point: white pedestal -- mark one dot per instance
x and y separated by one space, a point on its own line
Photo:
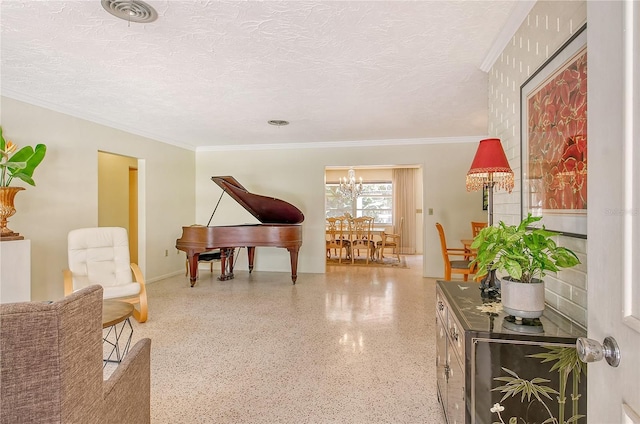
15 271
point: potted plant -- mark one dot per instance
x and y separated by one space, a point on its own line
19 164
525 254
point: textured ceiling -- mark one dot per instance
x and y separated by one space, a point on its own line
212 73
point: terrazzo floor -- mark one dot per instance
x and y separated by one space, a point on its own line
354 345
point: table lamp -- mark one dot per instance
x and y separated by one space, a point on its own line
490 169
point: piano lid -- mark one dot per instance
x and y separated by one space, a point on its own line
267 210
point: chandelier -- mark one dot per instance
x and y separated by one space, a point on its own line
349 187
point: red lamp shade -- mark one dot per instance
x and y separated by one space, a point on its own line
490 165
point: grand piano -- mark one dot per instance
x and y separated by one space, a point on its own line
279 227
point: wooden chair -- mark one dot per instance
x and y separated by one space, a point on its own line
362 237
337 237
476 227
391 241
452 266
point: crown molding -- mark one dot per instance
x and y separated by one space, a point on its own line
515 19
343 144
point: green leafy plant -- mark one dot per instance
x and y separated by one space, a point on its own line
522 252
18 164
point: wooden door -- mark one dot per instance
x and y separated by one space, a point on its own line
613 50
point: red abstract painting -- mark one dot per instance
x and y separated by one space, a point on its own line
557 139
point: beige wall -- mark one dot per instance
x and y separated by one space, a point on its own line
66 194
548 26
298 176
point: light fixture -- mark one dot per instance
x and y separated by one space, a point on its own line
278 122
349 186
490 168
131 10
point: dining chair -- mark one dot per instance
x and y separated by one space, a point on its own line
476 227
454 266
391 241
337 237
362 237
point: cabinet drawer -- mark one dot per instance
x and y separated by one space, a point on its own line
456 335
441 306
456 398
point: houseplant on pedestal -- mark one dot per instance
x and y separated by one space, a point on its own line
525 254
15 164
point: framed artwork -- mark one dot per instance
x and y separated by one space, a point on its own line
554 140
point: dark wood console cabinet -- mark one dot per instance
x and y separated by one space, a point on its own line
476 355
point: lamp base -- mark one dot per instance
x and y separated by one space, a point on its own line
488 286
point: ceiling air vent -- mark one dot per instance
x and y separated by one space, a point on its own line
278 122
131 10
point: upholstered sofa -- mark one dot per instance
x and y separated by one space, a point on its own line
52 368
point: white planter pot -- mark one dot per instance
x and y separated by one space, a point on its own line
522 300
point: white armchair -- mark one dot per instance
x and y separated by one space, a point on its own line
100 255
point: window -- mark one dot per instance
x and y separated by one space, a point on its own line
376 200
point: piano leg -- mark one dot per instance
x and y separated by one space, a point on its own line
226 263
251 251
293 253
231 254
193 267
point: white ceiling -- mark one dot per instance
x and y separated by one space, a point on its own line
212 73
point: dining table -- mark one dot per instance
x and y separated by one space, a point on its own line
466 243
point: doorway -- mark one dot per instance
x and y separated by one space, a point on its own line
118 196
382 187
